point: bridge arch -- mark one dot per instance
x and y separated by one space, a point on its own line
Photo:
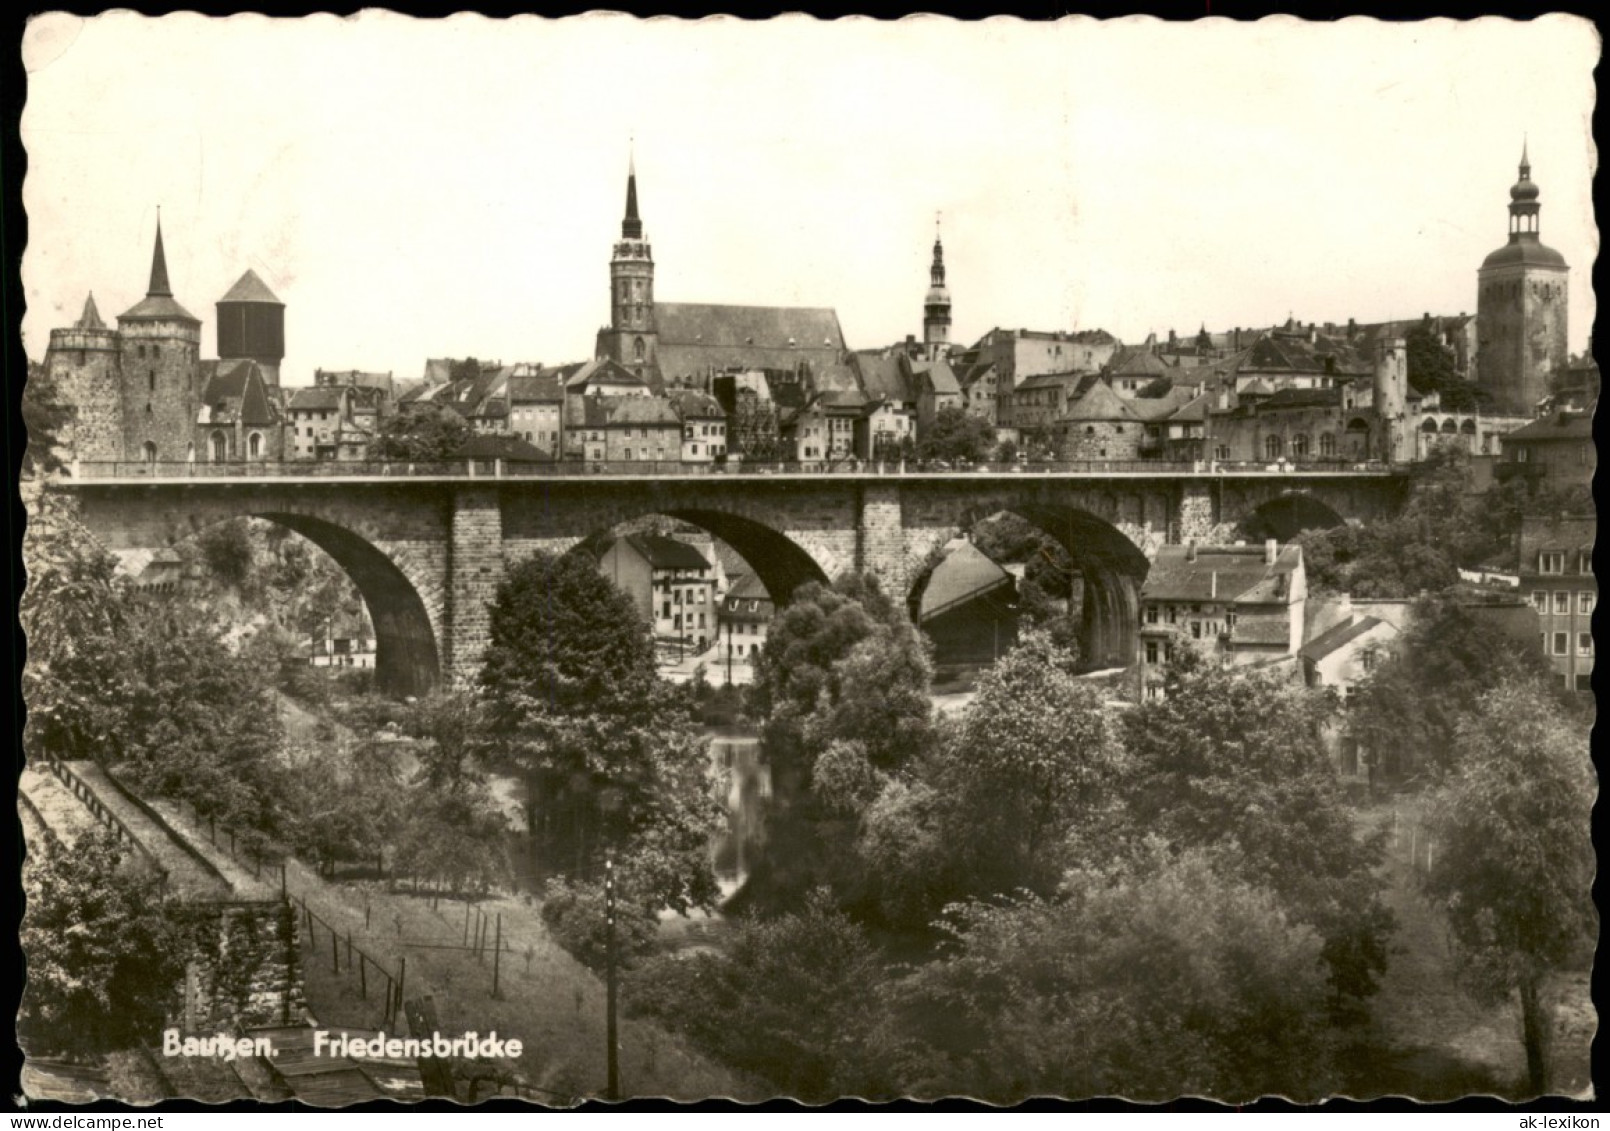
781 564
1286 516
1112 567
407 660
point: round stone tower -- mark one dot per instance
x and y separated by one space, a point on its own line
1521 321
82 365
159 347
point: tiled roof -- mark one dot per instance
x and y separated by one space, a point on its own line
940 378
1160 408
318 398
1136 362
155 308
1265 629
531 388
1569 534
1338 637
666 553
249 288
964 573
629 411
1302 398
235 390
1560 426
883 378
696 338
1099 403
1226 574
691 404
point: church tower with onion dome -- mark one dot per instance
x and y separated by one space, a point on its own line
1521 320
936 307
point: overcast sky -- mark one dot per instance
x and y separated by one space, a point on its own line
444 188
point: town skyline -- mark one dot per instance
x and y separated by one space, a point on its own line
453 253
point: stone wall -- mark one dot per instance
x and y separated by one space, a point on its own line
83 364
243 967
159 368
475 569
1099 439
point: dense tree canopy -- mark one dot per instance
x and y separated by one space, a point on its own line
1514 864
423 435
957 434
1233 762
1431 370
102 958
574 704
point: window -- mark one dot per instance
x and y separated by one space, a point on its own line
1221 452
1327 444
1172 614
695 449
150 451
1584 644
1562 643
667 610
1168 652
1151 651
628 454
254 445
151 381
1540 598
1584 603
1273 447
1562 603
1299 446
1551 562
1196 630
701 620
1584 562
1584 682
1151 614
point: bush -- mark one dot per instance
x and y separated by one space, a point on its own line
574 914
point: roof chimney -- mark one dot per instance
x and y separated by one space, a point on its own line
1213 585
1271 549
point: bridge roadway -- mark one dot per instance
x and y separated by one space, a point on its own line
427 544
326 471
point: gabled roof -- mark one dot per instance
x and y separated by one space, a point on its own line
1339 637
1160 408
1559 426
630 411
939 377
317 398
883 378
1137 361
249 288
965 572
698 338
666 553
690 404
1222 574
235 390
1194 409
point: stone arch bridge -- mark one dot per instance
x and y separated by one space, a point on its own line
427 551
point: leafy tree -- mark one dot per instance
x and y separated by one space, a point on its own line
226 550
103 961
785 1000
422 435
1152 981
576 915
1431 370
467 369
343 809
843 663
1515 863
610 755
1406 713
1030 764
44 417
74 612
455 836
957 434
1232 761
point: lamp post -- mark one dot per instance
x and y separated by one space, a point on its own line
613 1069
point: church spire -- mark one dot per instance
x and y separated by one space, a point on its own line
159 268
631 227
91 318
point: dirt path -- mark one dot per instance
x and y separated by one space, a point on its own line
552 1003
187 878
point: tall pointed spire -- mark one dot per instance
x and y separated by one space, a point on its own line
1526 162
159 268
91 318
632 226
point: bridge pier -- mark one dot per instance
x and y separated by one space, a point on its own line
474 571
880 537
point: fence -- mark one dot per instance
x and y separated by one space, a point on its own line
1410 833
85 794
664 469
392 1000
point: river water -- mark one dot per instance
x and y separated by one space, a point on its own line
736 755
